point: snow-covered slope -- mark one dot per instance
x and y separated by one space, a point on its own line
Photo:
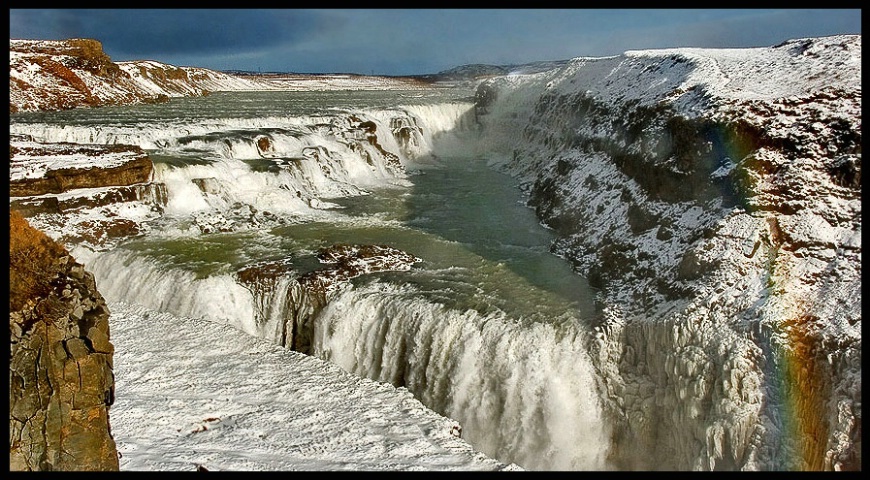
200 396
714 196
163 79
62 74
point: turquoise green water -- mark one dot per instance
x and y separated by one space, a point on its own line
250 105
480 246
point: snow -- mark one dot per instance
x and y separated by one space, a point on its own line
35 160
694 368
190 393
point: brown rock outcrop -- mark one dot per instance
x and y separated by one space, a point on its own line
61 383
38 169
349 261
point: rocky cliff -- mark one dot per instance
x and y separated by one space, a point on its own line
52 168
713 196
64 74
60 377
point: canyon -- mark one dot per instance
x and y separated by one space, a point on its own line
710 197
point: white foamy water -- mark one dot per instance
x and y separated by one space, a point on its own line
488 329
521 391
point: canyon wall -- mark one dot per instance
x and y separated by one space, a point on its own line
713 196
60 377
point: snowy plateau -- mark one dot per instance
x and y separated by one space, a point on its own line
712 197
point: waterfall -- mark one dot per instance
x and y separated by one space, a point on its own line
283 165
523 392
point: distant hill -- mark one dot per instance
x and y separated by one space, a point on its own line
477 71
63 74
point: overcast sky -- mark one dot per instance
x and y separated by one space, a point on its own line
407 42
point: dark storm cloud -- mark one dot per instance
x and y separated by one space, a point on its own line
414 41
154 33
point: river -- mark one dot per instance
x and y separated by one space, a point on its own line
489 328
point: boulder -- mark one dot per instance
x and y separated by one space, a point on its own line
349 261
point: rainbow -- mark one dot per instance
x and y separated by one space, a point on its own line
798 386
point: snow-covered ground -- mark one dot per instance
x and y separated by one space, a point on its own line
340 82
730 273
191 393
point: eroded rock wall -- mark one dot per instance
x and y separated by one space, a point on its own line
715 202
61 384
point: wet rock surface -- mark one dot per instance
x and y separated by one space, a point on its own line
349 261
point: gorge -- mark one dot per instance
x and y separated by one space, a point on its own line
703 207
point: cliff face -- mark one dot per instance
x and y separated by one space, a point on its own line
714 198
64 74
43 168
78 192
60 378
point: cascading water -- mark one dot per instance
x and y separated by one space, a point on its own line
489 329
521 391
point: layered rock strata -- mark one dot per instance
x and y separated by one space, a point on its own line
61 383
287 303
65 74
43 168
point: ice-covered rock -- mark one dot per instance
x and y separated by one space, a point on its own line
714 196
